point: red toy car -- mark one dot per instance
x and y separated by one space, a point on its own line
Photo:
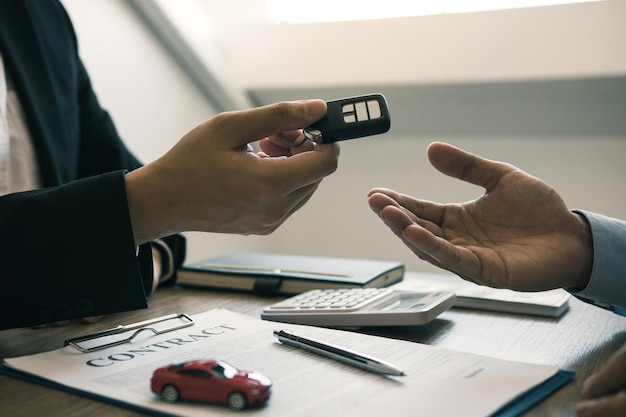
211 381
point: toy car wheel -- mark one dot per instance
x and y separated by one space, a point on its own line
170 394
237 401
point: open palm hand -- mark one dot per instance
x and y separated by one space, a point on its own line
519 234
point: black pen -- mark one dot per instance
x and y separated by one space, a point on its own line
340 354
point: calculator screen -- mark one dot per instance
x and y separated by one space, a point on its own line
405 302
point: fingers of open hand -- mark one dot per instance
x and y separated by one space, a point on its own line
420 210
419 239
418 235
424 237
466 166
388 205
380 198
440 252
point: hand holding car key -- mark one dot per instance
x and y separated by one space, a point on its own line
349 118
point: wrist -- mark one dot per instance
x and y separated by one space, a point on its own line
162 255
584 258
147 206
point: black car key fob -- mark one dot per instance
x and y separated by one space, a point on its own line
349 118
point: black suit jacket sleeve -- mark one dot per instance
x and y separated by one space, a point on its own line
66 250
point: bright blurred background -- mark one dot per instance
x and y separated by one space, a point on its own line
540 86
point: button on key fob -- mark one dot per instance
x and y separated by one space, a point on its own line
349 118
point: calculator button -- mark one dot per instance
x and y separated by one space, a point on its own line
286 306
339 304
332 300
322 305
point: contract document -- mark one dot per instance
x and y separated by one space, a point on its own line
438 381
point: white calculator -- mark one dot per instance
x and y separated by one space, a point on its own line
360 307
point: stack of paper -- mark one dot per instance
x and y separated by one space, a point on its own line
551 303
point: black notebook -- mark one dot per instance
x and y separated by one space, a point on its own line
288 274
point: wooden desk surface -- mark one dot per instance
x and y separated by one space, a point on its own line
581 340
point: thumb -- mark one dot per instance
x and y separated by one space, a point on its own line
466 166
255 124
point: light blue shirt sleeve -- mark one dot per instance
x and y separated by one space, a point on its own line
607 286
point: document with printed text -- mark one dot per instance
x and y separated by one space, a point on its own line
304 384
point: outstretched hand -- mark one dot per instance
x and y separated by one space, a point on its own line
519 234
211 180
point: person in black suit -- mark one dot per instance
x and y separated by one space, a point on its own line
80 244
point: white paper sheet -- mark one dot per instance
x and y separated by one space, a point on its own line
551 303
439 382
